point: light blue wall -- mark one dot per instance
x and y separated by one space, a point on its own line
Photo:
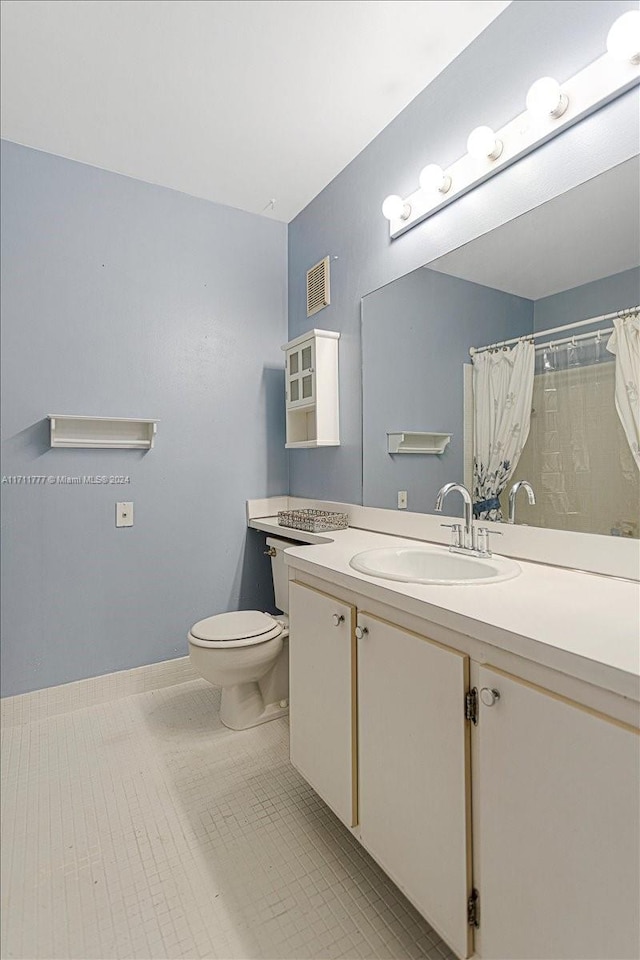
588 300
487 83
125 299
416 334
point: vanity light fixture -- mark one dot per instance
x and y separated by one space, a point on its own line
545 99
555 108
623 40
432 177
483 144
395 208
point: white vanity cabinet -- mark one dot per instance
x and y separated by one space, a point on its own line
322 696
413 763
556 809
507 812
378 730
311 390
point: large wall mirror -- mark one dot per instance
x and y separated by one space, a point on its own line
555 405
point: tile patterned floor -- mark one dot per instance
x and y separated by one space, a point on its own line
142 828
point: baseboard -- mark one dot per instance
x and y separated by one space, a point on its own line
68 697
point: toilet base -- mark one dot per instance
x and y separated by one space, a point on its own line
242 706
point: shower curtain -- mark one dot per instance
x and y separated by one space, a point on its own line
502 394
625 344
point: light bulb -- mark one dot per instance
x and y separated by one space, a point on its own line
545 99
623 40
433 177
483 144
394 208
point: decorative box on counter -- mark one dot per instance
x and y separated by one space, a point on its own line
314 521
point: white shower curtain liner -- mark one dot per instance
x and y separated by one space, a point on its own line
625 344
502 394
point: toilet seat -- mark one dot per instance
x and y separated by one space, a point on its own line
241 628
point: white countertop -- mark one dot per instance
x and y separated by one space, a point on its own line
584 625
271 525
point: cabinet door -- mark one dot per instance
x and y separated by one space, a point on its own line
321 696
413 752
301 374
556 807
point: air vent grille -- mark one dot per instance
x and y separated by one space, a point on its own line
318 287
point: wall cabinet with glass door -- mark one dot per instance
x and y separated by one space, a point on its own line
311 390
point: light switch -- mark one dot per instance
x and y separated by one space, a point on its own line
124 514
402 499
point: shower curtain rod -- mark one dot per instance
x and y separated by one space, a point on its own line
581 336
566 326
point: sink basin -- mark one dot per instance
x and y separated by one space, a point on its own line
433 565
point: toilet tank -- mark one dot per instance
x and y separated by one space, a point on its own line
279 570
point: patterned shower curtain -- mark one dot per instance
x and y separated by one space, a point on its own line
502 393
625 344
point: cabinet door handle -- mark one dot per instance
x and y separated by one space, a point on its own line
338 618
361 632
489 696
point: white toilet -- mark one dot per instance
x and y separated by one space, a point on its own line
247 654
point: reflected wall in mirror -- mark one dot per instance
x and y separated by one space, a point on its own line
555 407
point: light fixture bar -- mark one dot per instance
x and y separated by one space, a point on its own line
598 84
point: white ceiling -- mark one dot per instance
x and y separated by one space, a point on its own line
238 102
590 232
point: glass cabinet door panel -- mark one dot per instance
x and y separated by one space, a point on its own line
293 362
307 387
294 391
307 359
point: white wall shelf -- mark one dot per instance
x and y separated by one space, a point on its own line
411 442
123 433
311 390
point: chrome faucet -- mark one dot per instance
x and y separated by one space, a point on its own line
467 540
513 493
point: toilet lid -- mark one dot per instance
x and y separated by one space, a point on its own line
239 625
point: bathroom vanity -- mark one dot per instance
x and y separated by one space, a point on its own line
481 742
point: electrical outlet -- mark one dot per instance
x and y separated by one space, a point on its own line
402 499
124 514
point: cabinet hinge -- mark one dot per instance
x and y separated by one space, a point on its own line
473 909
471 706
